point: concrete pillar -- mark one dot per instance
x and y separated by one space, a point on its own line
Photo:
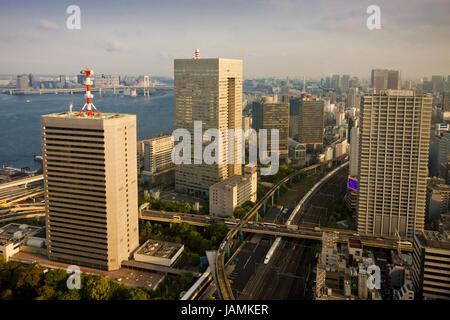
264 208
241 234
228 250
271 199
278 192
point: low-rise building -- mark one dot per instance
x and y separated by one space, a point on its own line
14 235
158 252
226 195
157 153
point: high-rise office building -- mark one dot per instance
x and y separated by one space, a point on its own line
353 98
394 145
431 265
273 115
345 83
31 80
210 91
382 79
90 183
379 79
394 80
437 83
81 78
446 101
308 120
22 82
336 82
63 80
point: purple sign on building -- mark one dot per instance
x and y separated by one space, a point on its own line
353 184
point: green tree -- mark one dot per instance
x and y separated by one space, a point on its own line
96 288
73 294
28 281
56 278
7 294
45 293
138 294
216 232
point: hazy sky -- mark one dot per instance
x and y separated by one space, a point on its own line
273 37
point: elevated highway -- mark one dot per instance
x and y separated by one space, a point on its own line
282 230
20 182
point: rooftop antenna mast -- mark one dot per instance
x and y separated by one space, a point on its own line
88 105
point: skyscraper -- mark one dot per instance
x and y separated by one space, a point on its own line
394 80
395 129
345 83
437 83
382 79
310 121
379 79
336 82
90 183
210 91
273 115
22 81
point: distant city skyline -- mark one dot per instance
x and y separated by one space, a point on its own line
273 38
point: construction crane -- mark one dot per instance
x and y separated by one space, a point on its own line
88 105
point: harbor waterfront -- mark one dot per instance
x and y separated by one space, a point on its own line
20 129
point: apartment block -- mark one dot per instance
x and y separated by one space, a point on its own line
393 159
90 180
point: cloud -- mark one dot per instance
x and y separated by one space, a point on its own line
114 45
48 25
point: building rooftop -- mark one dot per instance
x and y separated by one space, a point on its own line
74 115
435 239
15 232
163 136
355 243
160 249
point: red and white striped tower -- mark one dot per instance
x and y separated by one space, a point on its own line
88 105
197 53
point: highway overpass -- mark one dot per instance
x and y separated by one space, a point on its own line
20 182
